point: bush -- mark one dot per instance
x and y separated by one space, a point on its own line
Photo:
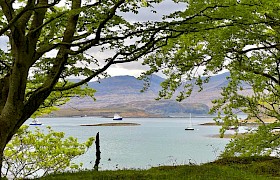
30 154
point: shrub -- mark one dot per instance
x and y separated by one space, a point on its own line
34 153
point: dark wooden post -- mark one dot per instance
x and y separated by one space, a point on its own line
98 152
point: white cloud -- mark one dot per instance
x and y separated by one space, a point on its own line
122 71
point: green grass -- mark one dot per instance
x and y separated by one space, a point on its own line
232 168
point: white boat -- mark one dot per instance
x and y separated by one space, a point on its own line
190 124
117 117
35 122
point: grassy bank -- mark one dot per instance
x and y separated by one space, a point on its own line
233 168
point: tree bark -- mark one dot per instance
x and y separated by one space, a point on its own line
1 159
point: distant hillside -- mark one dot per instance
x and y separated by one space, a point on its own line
119 90
119 84
164 107
125 85
122 94
217 82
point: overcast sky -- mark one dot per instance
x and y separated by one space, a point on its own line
133 68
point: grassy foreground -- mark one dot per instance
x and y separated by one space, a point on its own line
231 168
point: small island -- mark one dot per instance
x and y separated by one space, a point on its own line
112 124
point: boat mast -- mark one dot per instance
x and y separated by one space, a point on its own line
190 119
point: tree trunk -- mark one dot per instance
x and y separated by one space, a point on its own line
3 140
1 161
98 152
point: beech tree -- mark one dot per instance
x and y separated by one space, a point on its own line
50 41
241 37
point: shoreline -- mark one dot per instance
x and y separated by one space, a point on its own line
243 124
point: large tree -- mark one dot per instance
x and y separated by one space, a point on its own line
49 41
241 37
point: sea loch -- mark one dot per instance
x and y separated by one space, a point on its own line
156 141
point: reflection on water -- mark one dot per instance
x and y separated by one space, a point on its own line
157 141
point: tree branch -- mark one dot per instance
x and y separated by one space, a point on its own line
9 13
102 24
257 48
38 28
145 49
38 97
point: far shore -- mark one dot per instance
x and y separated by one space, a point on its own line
227 136
220 124
112 124
247 122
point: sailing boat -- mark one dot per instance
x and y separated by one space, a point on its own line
35 122
190 125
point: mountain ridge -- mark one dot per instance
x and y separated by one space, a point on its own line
122 94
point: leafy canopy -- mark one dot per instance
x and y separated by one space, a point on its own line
241 37
50 43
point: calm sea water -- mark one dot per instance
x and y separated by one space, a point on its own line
157 141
